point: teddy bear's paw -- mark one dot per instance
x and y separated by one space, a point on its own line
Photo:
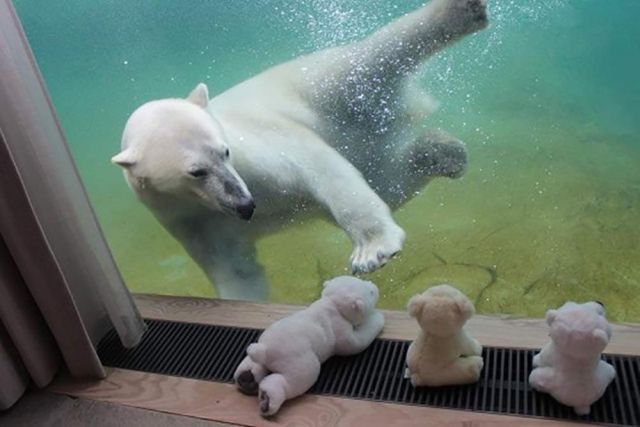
264 401
541 379
247 383
476 365
415 380
476 347
611 372
407 373
536 360
378 250
582 410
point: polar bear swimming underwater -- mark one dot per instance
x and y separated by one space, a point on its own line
336 131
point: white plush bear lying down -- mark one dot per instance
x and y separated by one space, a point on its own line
336 132
285 362
570 367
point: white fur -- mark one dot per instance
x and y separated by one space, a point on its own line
443 353
334 131
286 361
570 367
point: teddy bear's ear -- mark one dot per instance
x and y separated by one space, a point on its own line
466 307
551 316
199 95
601 337
415 305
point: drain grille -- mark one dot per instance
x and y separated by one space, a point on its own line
208 352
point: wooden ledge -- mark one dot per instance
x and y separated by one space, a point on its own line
494 331
223 403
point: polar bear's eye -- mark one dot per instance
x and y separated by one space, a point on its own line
226 153
198 173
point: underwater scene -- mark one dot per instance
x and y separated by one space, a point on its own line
546 99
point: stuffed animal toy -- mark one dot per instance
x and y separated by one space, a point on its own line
443 353
285 362
569 367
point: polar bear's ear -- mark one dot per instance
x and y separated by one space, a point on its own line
199 96
125 159
551 316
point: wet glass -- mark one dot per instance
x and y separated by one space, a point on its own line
545 101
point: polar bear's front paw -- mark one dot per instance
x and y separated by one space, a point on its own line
377 251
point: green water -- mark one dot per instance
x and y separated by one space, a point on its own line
547 99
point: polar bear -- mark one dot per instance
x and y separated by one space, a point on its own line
336 131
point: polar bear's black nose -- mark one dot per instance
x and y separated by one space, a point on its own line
245 211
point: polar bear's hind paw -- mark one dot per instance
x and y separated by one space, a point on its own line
472 11
464 16
436 153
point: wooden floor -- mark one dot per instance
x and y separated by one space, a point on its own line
222 403
46 409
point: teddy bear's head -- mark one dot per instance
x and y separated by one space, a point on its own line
579 330
354 298
441 310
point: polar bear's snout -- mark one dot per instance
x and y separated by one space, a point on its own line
235 197
245 211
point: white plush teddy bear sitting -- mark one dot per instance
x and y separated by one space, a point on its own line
285 362
569 367
443 353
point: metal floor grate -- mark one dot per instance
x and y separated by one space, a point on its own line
208 352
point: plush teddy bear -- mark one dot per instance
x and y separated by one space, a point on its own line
285 362
443 353
569 367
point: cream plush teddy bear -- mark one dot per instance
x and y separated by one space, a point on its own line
569 367
285 362
443 353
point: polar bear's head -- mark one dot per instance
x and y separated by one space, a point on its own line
175 148
355 299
